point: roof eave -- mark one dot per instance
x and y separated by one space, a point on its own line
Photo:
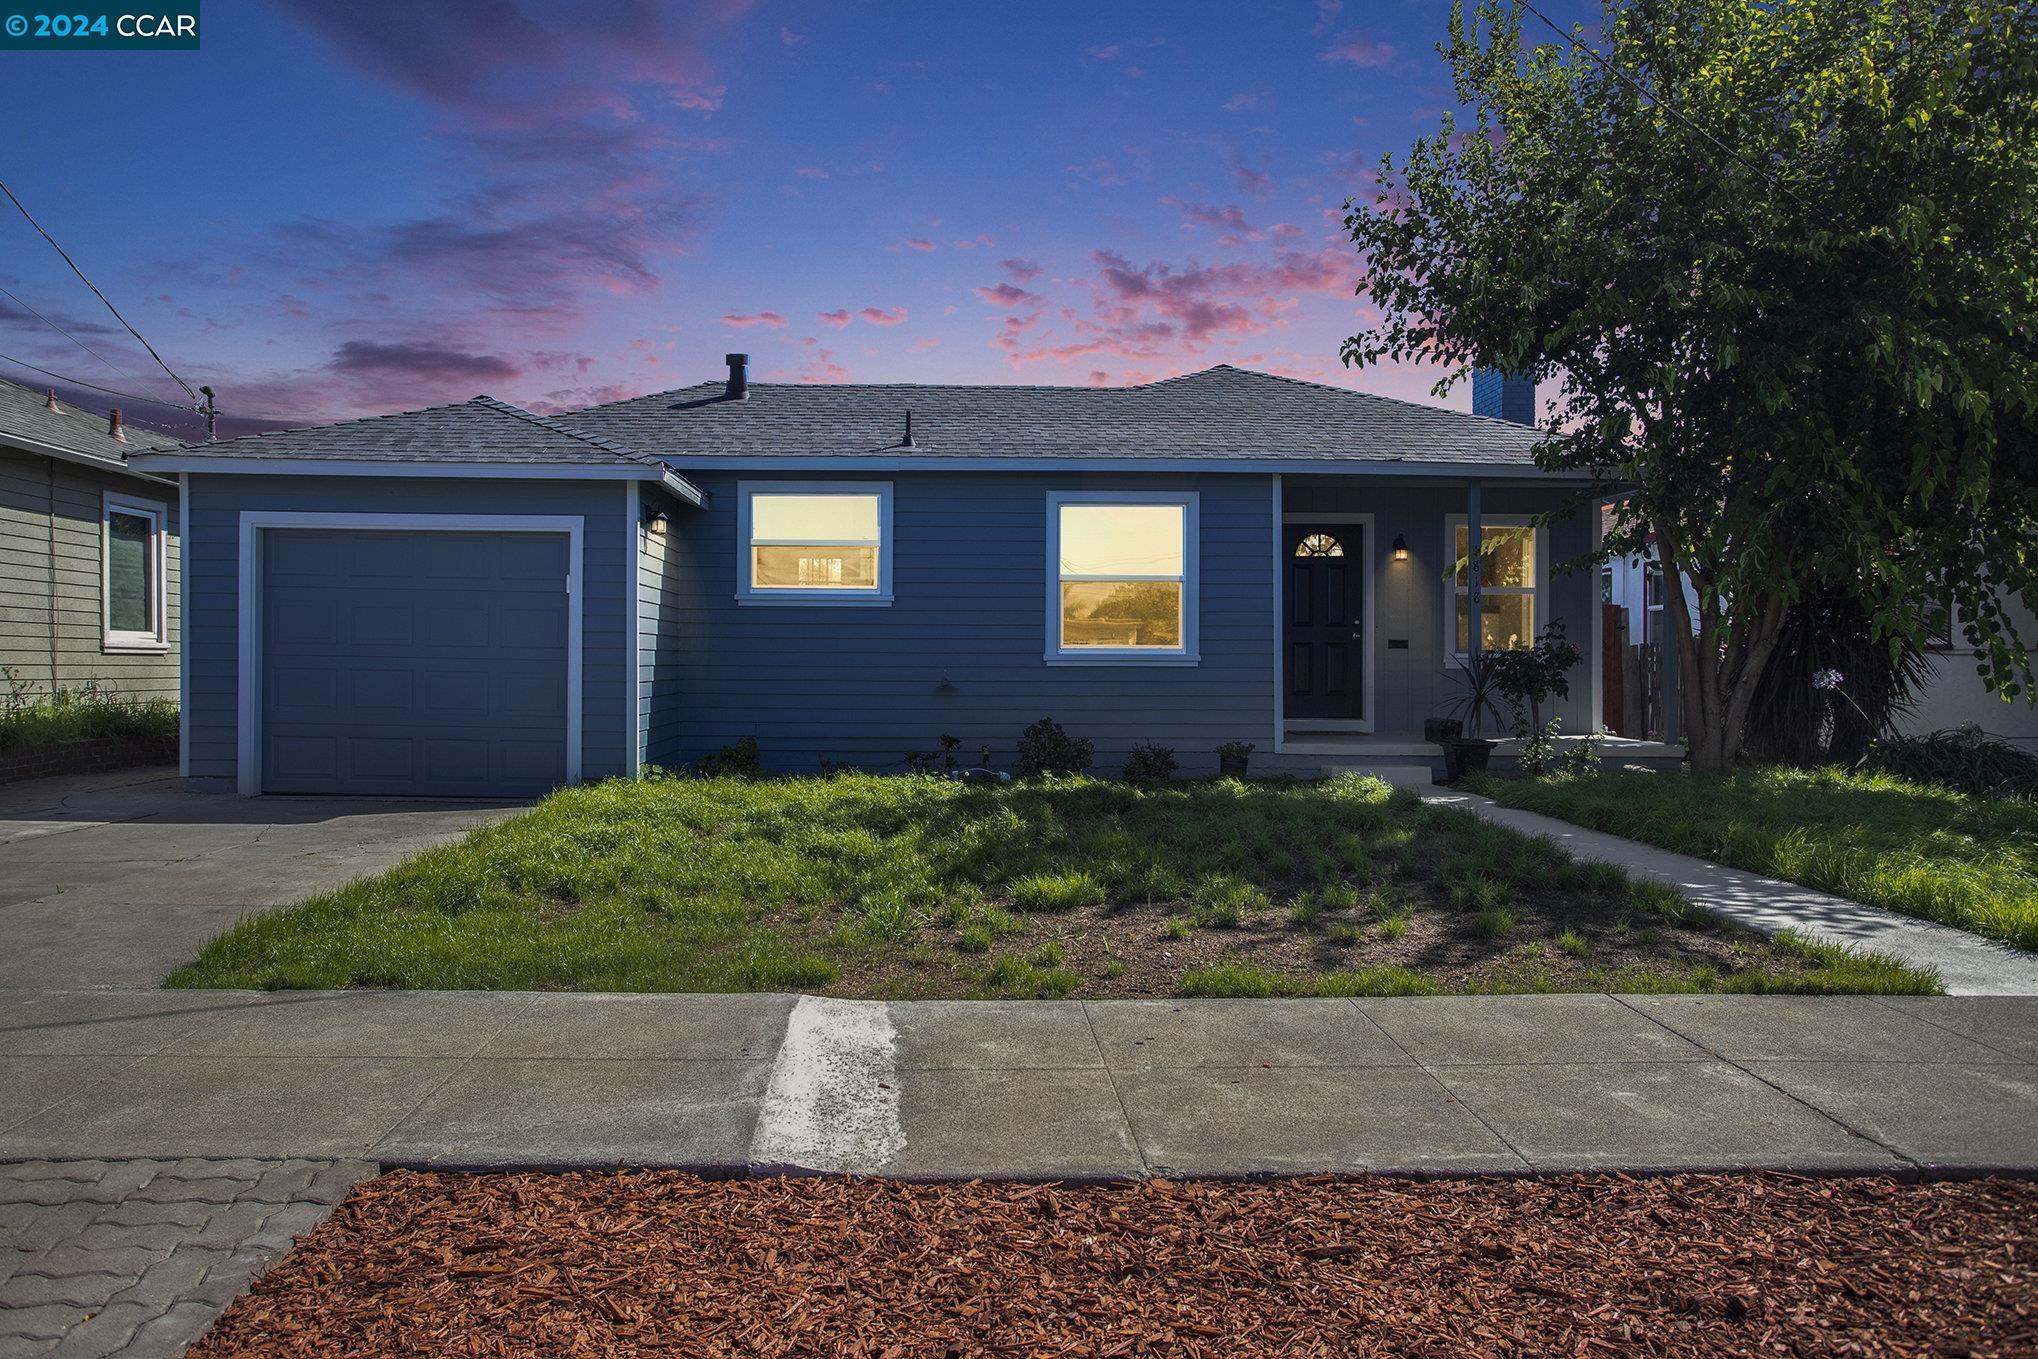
103 463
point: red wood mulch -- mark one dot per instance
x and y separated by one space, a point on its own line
664 1263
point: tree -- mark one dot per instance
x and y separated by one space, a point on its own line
1776 258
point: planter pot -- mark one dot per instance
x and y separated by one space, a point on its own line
1463 756
1231 766
1437 730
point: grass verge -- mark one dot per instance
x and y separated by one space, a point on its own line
916 886
1924 851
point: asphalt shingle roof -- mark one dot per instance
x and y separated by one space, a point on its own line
483 430
1220 413
24 412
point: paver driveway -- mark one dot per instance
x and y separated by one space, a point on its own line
112 880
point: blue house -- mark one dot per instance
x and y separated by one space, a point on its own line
474 600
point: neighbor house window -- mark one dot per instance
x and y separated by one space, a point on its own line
815 543
1123 577
132 559
1509 574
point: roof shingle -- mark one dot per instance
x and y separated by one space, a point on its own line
25 412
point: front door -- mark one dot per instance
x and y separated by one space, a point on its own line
1325 609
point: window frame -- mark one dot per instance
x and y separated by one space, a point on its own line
154 640
1538 593
849 597
1189 652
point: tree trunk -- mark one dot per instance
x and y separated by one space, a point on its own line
1719 660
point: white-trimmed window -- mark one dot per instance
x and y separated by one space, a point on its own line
1121 576
814 542
1512 579
132 558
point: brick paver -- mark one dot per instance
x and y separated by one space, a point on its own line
136 1258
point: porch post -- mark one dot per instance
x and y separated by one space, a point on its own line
1474 543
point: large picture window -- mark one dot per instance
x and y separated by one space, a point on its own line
808 542
1510 577
132 559
1124 577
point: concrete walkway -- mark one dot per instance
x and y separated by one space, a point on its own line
116 879
748 1083
1967 964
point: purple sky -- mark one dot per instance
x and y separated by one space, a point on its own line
337 209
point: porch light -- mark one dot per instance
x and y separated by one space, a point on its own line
656 522
1400 547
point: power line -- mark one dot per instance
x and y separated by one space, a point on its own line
67 334
1660 102
93 386
96 293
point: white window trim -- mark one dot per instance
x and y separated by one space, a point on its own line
1188 652
880 597
154 641
248 685
1540 592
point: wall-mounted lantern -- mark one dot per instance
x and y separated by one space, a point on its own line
1400 547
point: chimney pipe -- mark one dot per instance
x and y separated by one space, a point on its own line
50 402
113 425
739 377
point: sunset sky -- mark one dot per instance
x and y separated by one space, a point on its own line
337 209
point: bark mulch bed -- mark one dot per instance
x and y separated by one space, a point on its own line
665 1263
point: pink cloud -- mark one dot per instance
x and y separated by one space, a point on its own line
1023 270
1238 103
838 317
919 243
758 318
890 316
1251 178
1102 53
1008 295
790 38
1356 49
810 172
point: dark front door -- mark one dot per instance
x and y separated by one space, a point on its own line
1325 609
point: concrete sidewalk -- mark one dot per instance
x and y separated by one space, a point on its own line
736 1084
1967 964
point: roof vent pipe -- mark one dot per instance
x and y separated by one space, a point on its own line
113 428
739 377
50 402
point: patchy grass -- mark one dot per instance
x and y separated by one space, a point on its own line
87 714
917 886
1925 851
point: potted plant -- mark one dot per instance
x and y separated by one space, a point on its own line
1437 730
1231 759
1468 751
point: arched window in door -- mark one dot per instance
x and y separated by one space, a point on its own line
1319 545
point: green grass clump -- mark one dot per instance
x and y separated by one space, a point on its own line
1494 923
1346 932
1039 977
1396 925
1223 902
1572 944
1057 891
1233 979
86 714
1923 850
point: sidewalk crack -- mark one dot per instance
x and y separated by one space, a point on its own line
1138 1148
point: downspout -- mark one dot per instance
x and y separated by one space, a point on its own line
52 462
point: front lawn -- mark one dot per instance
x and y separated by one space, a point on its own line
1967 861
920 887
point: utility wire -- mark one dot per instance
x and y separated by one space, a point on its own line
1659 102
66 334
96 293
93 386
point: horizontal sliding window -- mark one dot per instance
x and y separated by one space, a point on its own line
809 543
1124 583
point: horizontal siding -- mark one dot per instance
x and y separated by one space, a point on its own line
217 502
960 650
51 633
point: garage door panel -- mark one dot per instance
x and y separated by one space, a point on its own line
408 662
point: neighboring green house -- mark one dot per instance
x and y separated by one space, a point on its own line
88 552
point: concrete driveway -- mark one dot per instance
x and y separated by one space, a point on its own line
112 880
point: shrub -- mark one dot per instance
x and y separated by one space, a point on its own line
1044 748
1963 759
734 761
1149 763
1057 891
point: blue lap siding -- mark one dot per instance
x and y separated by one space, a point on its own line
962 648
212 556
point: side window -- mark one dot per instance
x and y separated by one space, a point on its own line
1122 577
1510 606
132 559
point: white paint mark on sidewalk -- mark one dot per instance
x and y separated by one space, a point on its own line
833 1100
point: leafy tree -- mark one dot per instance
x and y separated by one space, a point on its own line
1776 258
